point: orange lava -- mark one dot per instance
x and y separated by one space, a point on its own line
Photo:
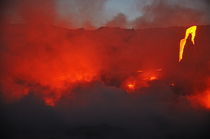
191 30
142 79
131 85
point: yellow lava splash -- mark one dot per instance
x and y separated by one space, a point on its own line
191 30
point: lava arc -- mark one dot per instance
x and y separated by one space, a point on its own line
191 30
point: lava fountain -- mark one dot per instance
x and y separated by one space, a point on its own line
190 31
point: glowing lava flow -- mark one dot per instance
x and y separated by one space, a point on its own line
141 80
191 30
131 85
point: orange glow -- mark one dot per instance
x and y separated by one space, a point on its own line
202 99
191 30
153 78
53 63
131 85
49 102
142 79
206 100
150 75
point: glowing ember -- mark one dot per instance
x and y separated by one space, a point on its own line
153 78
151 75
192 31
142 79
131 85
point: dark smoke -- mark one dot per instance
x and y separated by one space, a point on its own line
83 13
92 14
118 21
98 111
164 13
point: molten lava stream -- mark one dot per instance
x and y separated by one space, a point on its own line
191 30
141 80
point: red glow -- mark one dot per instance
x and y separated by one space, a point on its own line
131 86
142 79
172 84
202 99
49 102
51 61
151 75
45 62
152 78
206 100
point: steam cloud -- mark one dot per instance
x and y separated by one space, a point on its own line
166 13
92 14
